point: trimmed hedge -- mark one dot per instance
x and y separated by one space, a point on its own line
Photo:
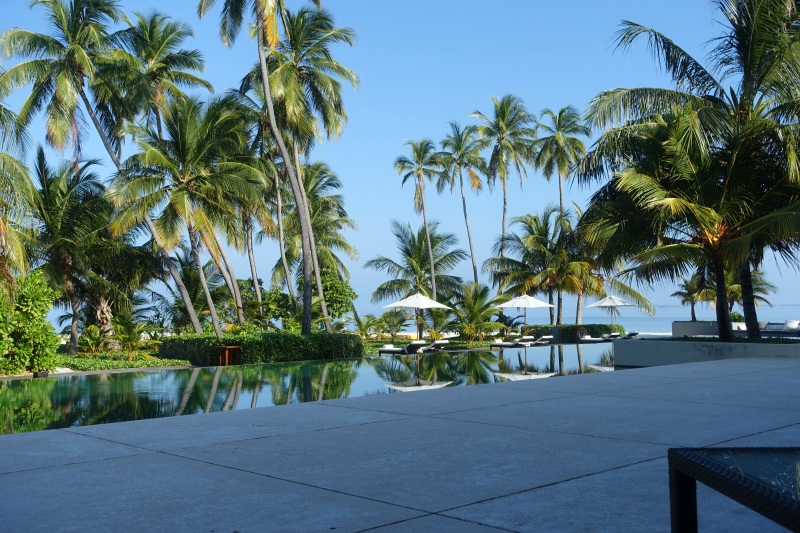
568 333
85 364
266 347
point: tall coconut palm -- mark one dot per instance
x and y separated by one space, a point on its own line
461 152
63 68
749 126
195 174
267 13
15 189
425 164
155 45
411 273
510 132
70 209
689 291
558 146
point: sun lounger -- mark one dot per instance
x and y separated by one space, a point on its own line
523 342
588 339
630 335
608 337
435 346
408 349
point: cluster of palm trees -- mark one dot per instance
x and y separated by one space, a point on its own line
701 178
207 173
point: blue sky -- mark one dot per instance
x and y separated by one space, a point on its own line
424 63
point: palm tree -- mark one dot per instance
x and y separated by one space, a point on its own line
266 16
70 208
748 128
155 42
410 274
510 133
77 52
15 189
558 146
689 291
195 174
474 311
424 164
328 219
461 152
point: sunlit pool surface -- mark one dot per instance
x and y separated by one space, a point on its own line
66 401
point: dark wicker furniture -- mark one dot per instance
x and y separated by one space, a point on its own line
767 480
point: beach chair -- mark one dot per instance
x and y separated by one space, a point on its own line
609 337
408 349
523 342
588 339
630 335
435 346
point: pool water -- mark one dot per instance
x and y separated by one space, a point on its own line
67 401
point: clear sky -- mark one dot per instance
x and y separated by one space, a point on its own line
424 63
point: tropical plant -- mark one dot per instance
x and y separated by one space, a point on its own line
364 326
80 49
461 153
92 341
510 132
132 337
690 292
743 135
424 164
392 322
558 146
266 17
474 311
69 209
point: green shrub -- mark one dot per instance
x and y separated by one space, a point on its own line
736 316
568 333
27 340
84 364
265 347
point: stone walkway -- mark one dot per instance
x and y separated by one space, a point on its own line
577 453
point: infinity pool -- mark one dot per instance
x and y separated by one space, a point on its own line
66 401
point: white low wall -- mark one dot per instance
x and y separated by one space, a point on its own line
634 354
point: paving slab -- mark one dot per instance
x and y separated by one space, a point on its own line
746 390
42 449
591 383
159 492
447 400
212 428
437 523
427 463
785 437
630 499
641 420
713 369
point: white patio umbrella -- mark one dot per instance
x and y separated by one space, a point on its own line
525 302
611 302
418 301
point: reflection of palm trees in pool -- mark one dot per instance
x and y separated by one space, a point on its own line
476 367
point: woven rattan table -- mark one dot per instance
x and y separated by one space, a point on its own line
767 480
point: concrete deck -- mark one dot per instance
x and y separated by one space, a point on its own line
577 453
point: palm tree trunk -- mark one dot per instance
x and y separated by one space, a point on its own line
428 239
749 302
724 327
187 392
237 293
229 398
322 381
561 359
238 391
198 265
223 271
281 239
213 392
560 306
69 288
579 309
187 300
256 389
252 259
552 307
505 210
466 221
561 192
552 358
694 316
580 358
297 187
314 257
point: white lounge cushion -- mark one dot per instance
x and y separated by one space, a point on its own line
739 326
791 324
